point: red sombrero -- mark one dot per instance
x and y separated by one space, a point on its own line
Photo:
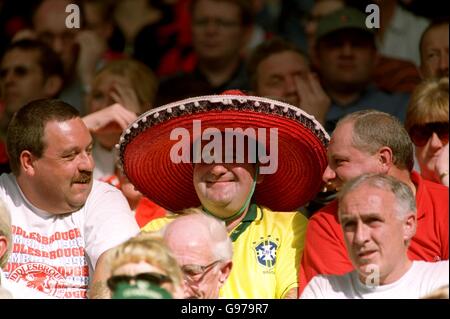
146 145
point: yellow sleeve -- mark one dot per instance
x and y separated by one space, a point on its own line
290 252
157 224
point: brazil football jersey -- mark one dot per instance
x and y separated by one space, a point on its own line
267 248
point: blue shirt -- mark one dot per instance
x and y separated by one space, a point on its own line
371 98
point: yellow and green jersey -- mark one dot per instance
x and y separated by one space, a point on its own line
267 248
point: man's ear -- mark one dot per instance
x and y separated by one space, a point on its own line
53 86
386 158
409 227
225 271
3 246
27 162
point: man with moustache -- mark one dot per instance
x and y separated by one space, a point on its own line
63 222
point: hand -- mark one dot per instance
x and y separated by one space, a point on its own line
115 118
312 97
91 49
26 34
123 94
441 166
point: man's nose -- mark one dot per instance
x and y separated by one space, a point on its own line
443 64
346 49
328 174
86 162
361 234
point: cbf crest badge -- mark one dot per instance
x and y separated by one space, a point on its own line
266 251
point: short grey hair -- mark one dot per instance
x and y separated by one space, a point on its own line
373 130
404 197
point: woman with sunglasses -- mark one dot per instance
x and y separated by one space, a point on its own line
427 123
143 267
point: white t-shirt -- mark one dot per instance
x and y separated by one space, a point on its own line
420 280
19 291
104 162
57 254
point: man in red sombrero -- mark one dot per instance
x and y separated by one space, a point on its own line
179 156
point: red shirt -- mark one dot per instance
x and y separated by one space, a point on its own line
325 251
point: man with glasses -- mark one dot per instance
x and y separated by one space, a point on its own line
201 245
373 142
219 32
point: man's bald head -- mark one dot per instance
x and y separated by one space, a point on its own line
198 230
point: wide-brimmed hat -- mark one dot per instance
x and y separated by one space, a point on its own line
147 149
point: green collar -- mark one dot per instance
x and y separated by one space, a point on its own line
251 215
244 206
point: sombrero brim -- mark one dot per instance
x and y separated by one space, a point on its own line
145 149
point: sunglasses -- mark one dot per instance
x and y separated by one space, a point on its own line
420 134
149 277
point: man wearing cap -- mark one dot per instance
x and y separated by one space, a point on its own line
345 56
255 195
373 142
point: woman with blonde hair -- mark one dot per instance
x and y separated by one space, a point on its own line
427 123
121 91
144 264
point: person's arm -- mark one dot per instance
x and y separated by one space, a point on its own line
325 251
91 50
114 118
99 289
313 99
109 222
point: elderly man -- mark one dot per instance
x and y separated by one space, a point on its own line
63 221
378 217
373 142
201 245
434 50
263 157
